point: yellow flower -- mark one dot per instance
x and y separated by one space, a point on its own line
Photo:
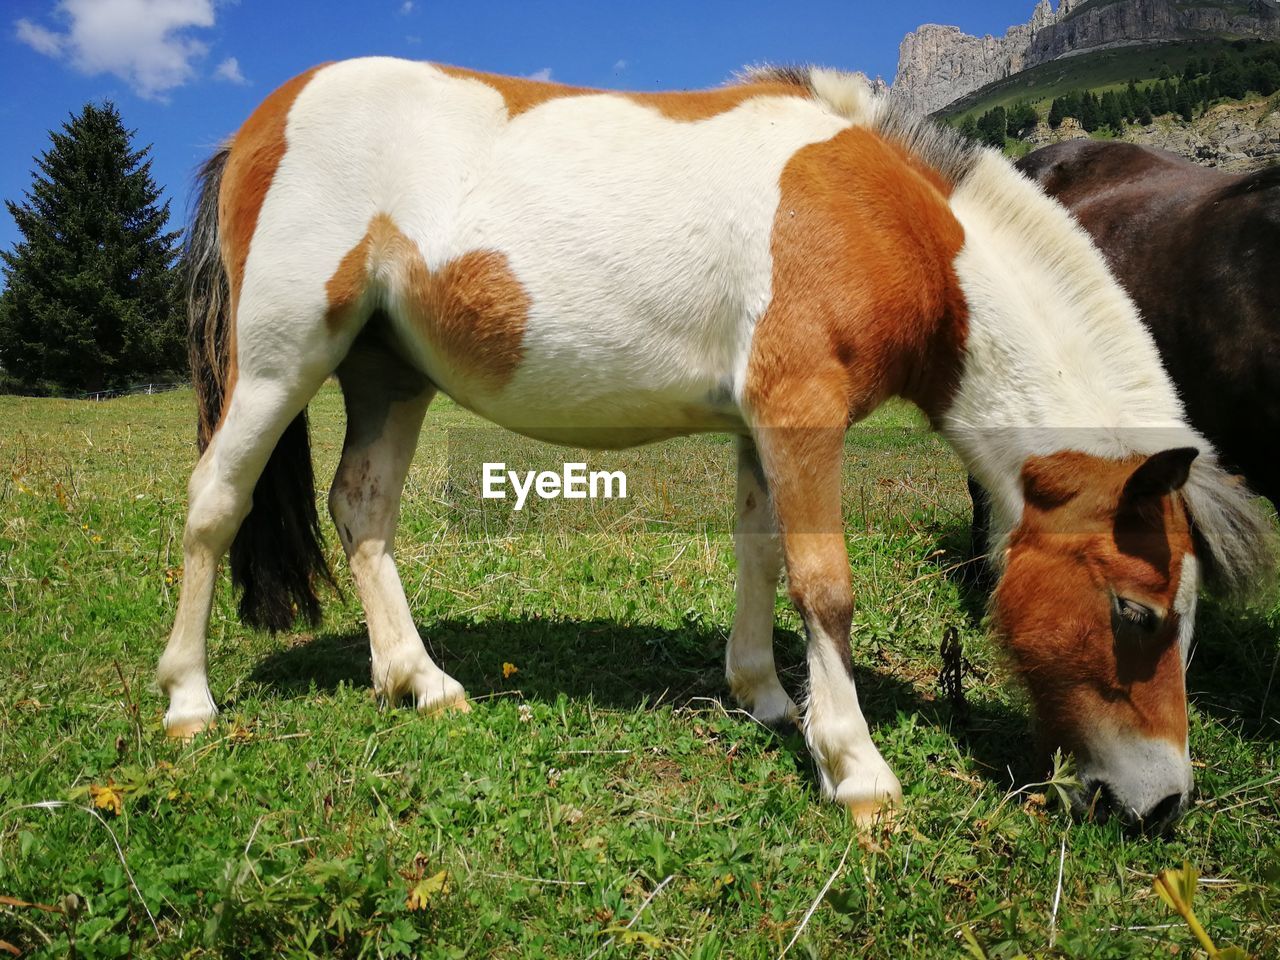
107 798
425 889
508 669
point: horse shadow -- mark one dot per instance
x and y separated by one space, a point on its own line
629 666
1234 675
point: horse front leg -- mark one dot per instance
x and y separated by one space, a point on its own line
802 464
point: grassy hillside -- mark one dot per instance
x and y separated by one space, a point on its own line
1099 71
605 799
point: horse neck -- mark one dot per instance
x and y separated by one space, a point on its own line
1056 357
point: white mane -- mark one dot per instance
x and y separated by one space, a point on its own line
1058 359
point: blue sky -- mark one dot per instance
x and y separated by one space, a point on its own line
185 73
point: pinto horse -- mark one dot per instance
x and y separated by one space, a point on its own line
773 259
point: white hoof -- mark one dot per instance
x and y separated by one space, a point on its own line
772 706
181 727
448 697
191 710
416 678
869 795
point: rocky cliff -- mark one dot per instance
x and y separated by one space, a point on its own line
1233 136
937 65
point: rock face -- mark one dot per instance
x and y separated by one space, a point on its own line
938 65
1231 136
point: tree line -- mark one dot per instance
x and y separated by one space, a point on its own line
1189 94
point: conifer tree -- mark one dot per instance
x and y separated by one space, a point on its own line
1090 112
1021 118
1132 102
92 299
1184 103
1156 99
992 126
1110 112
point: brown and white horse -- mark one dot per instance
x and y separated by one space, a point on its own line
774 259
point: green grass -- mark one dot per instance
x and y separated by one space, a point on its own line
547 822
1099 71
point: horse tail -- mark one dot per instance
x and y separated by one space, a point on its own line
277 554
208 300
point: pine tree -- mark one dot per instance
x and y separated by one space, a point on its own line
1157 101
992 126
1264 77
92 298
1090 112
1022 117
1229 79
1057 112
1110 112
1184 103
1132 101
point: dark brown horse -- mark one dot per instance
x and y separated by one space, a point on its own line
1198 250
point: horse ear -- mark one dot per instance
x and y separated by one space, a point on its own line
1161 473
1051 481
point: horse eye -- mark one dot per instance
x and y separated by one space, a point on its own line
1130 613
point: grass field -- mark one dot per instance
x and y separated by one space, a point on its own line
605 799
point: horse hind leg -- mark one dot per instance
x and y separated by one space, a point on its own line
749 663
386 400
220 494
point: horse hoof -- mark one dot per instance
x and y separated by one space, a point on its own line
870 800
457 705
439 698
773 708
187 728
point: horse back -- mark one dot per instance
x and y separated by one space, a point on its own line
568 261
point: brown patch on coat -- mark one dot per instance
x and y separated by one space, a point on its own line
865 305
473 309
522 94
256 152
1082 540
865 292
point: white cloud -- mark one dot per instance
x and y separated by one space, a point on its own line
146 43
229 70
406 8
38 38
543 74
619 66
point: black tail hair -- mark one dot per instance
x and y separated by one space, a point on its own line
278 554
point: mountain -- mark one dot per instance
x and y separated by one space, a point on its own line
937 65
